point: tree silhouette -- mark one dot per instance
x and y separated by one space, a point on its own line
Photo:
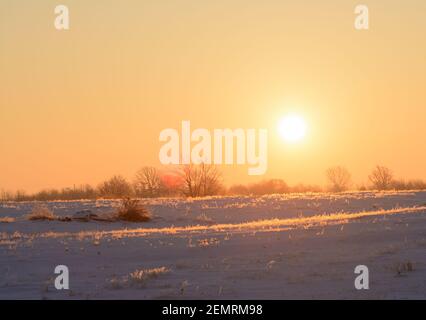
339 178
381 178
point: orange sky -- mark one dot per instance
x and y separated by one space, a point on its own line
81 105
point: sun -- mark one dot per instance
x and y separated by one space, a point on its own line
292 128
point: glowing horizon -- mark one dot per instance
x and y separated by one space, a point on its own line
82 105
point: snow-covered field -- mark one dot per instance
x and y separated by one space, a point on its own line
271 247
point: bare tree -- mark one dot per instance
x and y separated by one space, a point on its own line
148 182
5 195
116 187
201 180
339 178
381 178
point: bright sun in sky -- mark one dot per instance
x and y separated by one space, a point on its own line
292 128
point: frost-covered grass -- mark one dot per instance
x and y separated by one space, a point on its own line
266 225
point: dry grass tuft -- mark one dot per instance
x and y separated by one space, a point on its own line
140 276
208 242
404 267
203 218
131 210
7 220
137 278
41 212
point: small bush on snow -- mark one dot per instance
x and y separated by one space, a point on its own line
41 212
131 210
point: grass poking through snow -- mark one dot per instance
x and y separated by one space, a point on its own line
138 278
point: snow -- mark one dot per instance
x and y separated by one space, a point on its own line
295 246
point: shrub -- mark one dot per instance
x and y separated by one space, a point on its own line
272 186
238 189
41 212
131 210
116 187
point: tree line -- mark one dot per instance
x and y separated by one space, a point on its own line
380 178
206 180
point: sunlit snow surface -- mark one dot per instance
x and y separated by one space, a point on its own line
296 246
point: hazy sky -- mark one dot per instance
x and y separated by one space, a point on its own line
81 105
